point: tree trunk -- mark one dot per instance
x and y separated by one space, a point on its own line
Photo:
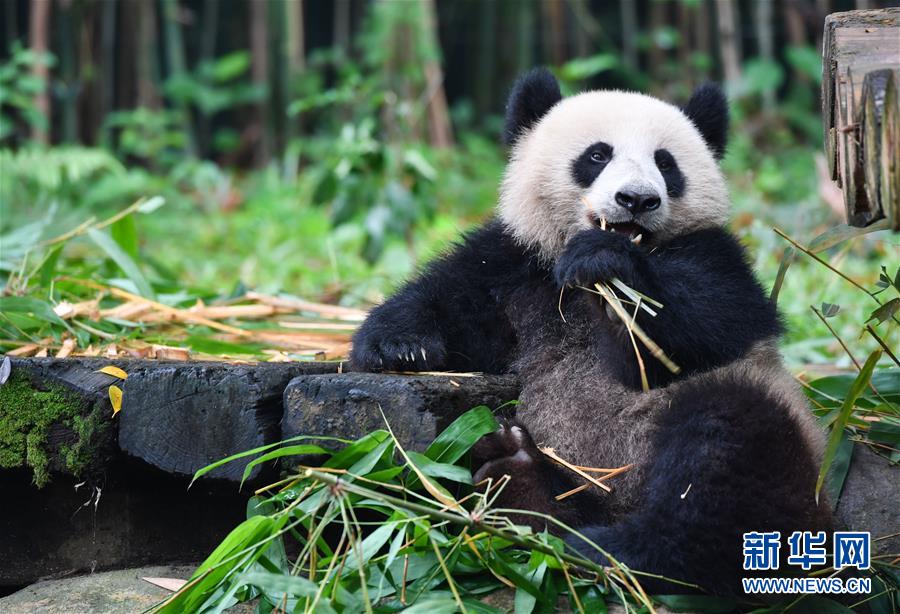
341 26
629 34
440 131
686 24
12 20
796 32
763 19
554 32
702 37
106 59
525 37
147 95
67 26
485 65
729 43
38 39
259 73
177 66
294 65
658 19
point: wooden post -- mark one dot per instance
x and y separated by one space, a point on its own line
861 111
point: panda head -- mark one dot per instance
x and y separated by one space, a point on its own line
634 163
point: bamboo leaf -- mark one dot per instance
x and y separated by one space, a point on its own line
124 232
827 239
48 267
446 471
33 307
301 450
886 311
462 434
115 399
123 261
113 371
837 430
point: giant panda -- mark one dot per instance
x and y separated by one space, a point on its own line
603 185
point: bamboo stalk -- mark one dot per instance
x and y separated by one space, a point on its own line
657 351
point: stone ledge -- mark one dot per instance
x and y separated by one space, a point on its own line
416 407
176 416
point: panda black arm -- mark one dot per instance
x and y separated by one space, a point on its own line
714 308
451 316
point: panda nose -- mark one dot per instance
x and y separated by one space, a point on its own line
637 203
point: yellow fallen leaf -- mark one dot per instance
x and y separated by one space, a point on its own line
115 398
114 371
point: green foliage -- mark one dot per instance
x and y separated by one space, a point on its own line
216 85
154 137
18 87
376 532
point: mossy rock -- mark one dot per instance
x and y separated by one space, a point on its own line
47 426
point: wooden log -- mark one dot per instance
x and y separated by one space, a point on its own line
418 407
856 44
880 137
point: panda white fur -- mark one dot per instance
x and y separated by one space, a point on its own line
724 447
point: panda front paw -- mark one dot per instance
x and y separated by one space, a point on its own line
593 256
398 352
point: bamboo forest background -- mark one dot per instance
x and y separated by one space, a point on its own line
326 149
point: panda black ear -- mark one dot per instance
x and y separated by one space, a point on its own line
533 94
708 109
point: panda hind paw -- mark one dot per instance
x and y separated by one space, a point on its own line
508 450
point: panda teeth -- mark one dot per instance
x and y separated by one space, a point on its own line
637 239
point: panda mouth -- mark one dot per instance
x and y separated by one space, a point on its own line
632 230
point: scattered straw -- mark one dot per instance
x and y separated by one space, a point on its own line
552 455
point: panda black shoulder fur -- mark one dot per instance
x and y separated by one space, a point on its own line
726 446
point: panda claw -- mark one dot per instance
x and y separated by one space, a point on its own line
423 355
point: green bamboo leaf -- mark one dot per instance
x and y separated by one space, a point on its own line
461 435
433 605
207 345
526 600
301 450
248 535
345 458
837 475
124 232
246 453
31 307
282 583
837 430
374 542
48 267
454 473
123 261
151 204
827 239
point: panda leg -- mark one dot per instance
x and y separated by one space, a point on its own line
534 481
728 459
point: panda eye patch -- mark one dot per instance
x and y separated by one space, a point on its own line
588 166
664 160
674 178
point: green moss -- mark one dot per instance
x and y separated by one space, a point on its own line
26 415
